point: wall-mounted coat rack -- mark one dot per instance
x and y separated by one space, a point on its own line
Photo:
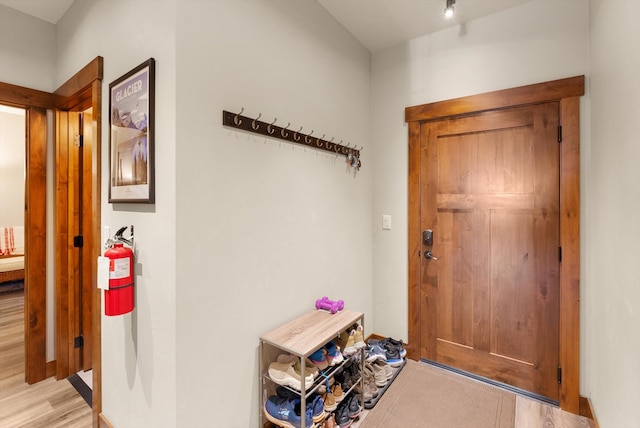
271 130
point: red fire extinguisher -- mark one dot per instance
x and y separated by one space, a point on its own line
119 298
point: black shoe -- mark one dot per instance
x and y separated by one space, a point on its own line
353 407
342 416
283 392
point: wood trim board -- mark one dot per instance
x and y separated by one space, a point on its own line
81 92
35 297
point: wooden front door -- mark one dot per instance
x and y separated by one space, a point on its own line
490 193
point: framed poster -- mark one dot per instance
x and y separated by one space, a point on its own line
131 136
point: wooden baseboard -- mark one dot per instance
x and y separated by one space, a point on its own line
51 369
374 336
104 422
586 410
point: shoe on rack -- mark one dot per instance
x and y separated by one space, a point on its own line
367 394
329 401
392 351
388 371
334 356
286 393
330 422
344 379
338 393
353 406
359 338
284 374
375 353
342 417
379 374
348 343
393 358
370 387
310 371
319 359
388 341
316 405
286 413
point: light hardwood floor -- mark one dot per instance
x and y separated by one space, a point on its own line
534 414
49 403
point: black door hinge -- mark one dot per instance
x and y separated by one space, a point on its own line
559 133
559 374
78 342
560 254
78 241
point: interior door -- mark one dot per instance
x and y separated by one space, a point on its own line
74 241
489 191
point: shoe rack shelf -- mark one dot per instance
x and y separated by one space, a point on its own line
301 337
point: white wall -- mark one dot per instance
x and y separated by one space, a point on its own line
27 50
27 58
12 163
264 228
522 45
613 269
138 349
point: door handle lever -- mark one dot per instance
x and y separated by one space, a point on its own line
428 255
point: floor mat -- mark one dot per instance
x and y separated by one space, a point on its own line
423 395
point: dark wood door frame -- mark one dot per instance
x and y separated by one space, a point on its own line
35 104
567 92
80 93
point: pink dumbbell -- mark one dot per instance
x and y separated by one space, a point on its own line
329 305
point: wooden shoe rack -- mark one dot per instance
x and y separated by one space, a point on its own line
301 337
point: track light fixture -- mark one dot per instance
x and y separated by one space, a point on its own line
449 10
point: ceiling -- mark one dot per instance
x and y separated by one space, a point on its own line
47 10
377 24
380 24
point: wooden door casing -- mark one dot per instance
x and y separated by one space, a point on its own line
35 280
567 92
81 93
491 196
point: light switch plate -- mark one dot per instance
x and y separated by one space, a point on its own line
386 222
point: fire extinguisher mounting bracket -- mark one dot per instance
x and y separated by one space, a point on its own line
119 238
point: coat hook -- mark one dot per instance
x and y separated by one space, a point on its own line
269 129
253 124
237 119
319 142
307 138
285 134
295 134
